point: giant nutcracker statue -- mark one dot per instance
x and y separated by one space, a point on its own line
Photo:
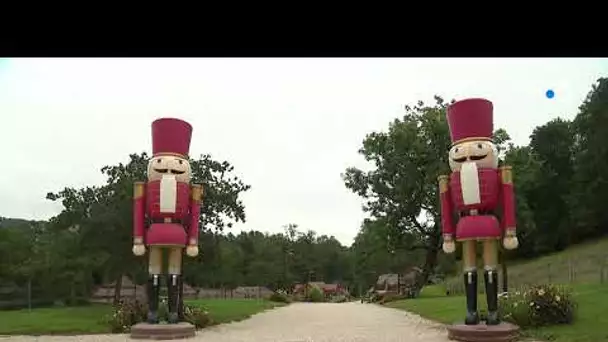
472 196
166 212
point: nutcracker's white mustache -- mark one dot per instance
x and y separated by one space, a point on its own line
170 171
463 159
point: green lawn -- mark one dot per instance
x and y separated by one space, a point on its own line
64 320
229 310
591 324
89 319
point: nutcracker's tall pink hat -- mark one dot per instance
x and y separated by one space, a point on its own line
470 119
171 137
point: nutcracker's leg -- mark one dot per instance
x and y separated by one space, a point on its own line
153 288
173 283
469 259
180 308
490 275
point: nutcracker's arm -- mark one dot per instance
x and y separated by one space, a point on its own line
139 211
447 222
508 199
195 213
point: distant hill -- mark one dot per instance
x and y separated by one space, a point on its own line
6 222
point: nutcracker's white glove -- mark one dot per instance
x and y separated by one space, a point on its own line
139 249
510 241
448 244
192 250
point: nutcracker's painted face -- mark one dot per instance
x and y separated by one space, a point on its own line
482 153
160 166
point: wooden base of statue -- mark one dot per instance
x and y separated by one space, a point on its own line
503 332
163 331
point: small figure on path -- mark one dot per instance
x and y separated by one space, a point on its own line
166 212
473 193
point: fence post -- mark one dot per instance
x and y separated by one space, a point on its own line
29 294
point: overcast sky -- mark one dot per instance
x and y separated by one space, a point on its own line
289 126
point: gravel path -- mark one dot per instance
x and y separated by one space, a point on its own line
303 322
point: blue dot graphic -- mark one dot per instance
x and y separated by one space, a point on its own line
550 93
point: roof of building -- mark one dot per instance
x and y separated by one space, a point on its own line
323 286
392 279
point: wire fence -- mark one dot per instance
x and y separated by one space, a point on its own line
26 297
23 296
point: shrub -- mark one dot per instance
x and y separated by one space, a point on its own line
373 297
538 306
280 296
315 295
197 316
129 312
339 299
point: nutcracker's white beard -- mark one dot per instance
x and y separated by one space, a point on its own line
469 181
168 194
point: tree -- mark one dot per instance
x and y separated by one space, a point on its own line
103 215
222 206
75 244
402 189
552 144
590 179
375 253
526 173
15 247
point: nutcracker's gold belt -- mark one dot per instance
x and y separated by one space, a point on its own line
475 212
167 220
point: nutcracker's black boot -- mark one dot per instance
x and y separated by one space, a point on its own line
153 291
491 281
180 308
173 285
470 285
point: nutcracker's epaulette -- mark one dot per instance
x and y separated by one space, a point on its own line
506 173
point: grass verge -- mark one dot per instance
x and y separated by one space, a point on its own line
231 310
590 325
57 320
89 319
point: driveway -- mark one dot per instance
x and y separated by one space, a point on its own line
303 322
